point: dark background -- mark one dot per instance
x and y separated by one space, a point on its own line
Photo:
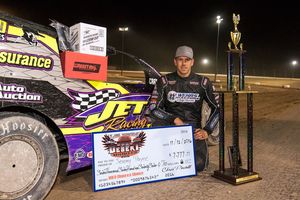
270 30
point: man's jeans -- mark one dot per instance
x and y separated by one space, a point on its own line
201 153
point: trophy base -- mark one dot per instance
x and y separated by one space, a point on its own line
243 177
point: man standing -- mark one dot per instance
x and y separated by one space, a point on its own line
179 97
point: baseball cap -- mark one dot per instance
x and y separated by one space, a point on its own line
184 51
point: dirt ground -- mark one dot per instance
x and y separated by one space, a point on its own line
276 159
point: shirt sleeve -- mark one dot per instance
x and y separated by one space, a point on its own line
210 99
157 109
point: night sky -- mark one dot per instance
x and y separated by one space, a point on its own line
270 31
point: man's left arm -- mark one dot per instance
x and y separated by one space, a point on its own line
211 101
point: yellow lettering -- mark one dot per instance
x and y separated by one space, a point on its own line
115 109
19 56
114 124
40 62
47 63
96 118
33 61
122 108
3 57
11 58
139 107
25 60
91 120
120 123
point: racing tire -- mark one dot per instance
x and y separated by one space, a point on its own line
29 158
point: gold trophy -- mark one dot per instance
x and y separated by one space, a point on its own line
235 35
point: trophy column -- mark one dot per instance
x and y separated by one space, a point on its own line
250 132
242 70
229 70
231 85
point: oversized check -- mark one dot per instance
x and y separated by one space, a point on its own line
129 157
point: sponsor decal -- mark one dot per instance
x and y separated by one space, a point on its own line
86 67
214 122
89 154
91 38
125 145
152 81
20 59
114 114
217 96
182 97
159 114
194 82
18 93
107 109
172 82
79 154
204 81
6 128
164 80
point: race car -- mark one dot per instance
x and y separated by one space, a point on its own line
46 118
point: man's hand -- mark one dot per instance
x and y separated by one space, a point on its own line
178 121
200 134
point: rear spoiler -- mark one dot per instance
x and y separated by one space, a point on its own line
151 74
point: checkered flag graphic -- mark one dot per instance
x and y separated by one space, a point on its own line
83 101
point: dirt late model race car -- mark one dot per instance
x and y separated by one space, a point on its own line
46 117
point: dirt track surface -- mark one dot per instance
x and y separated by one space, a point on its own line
276 159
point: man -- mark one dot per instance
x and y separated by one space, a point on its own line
179 97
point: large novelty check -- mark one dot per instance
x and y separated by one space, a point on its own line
128 157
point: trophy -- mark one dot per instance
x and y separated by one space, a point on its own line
235 37
236 174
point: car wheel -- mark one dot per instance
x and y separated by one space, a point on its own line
29 157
